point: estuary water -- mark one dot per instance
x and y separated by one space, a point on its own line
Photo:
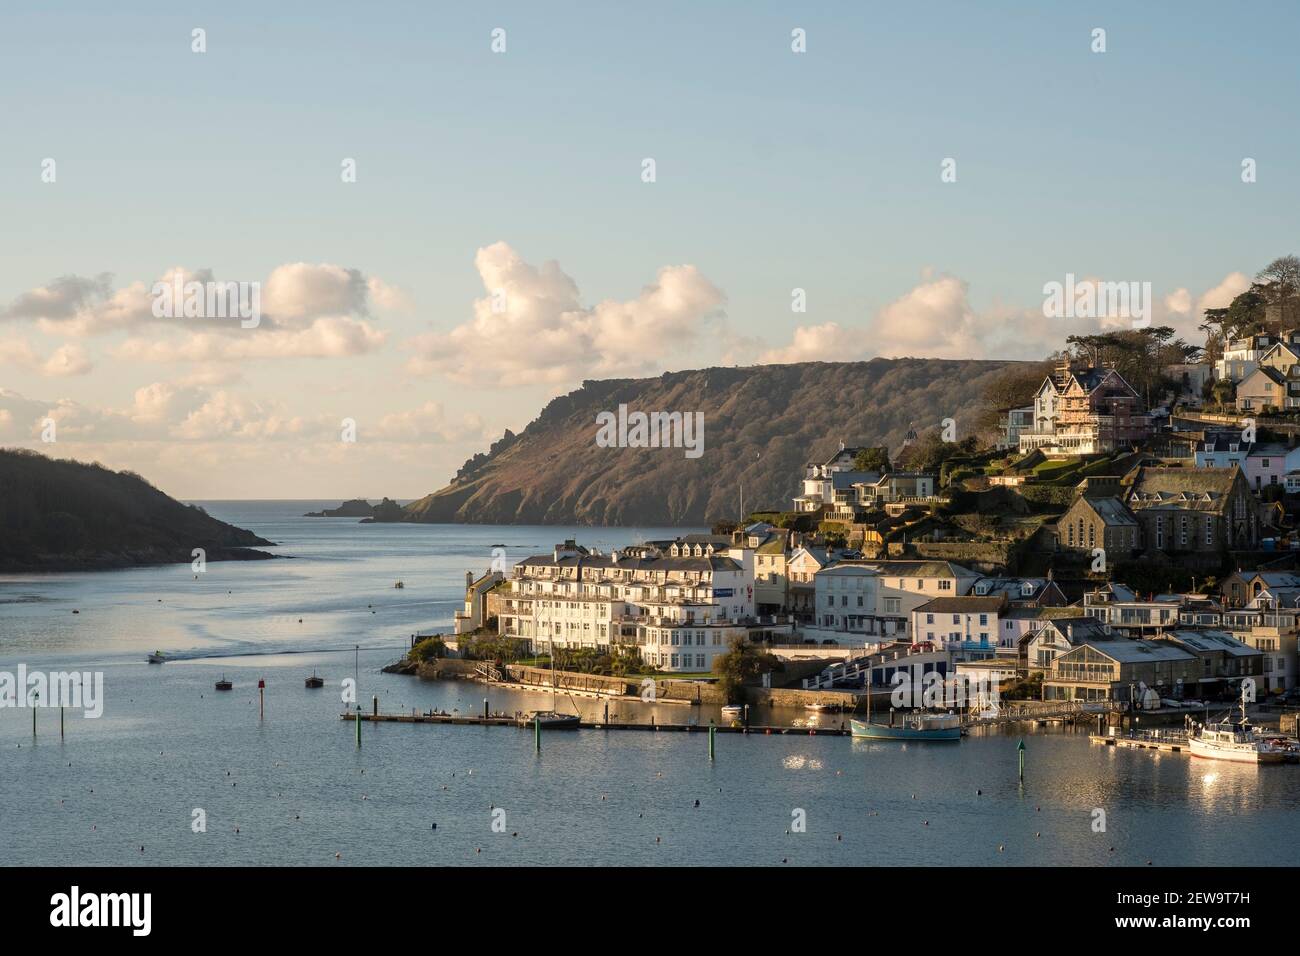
132 786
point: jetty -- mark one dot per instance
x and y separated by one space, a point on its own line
525 721
1170 741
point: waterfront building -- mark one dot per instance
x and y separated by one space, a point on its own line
678 608
860 602
1270 622
969 624
1119 669
474 614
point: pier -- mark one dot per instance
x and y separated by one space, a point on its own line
524 721
1170 741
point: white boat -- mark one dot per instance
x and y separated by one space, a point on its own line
732 710
821 707
156 658
1234 740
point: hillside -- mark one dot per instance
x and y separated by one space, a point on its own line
761 425
64 515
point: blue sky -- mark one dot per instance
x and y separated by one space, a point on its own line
775 170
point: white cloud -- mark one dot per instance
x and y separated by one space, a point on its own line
828 342
335 337
428 423
308 311
1221 295
68 359
541 332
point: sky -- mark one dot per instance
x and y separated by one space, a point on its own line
918 170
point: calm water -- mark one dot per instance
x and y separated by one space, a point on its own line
299 791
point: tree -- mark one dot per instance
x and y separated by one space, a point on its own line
1280 278
743 664
872 459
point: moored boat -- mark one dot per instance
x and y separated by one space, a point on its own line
224 684
916 726
1236 740
733 711
822 707
157 657
551 720
314 681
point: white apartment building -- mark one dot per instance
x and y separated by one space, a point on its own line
678 608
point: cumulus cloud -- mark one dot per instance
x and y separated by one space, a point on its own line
67 359
532 327
428 423
307 311
336 337
935 319
828 342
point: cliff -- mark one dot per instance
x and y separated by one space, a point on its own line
760 426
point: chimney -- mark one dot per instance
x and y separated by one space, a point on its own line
469 578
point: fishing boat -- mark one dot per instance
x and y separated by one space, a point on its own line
914 725
551 720
1235 740
224 684
156 657
314 681
733 711
917 726
399 585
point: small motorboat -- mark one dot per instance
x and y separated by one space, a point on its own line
157 657
733 710
314 681
399 585
551 720
224 684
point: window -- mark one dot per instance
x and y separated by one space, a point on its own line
1160 532
945 585
1209 530
699 660
984 620
929 619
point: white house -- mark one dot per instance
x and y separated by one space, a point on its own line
968 624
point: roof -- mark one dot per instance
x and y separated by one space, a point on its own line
962 605
1125 650
1270 373
921 569
606 561
1199 489
1212 641
1111 511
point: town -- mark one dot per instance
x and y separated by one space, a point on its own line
1129 537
